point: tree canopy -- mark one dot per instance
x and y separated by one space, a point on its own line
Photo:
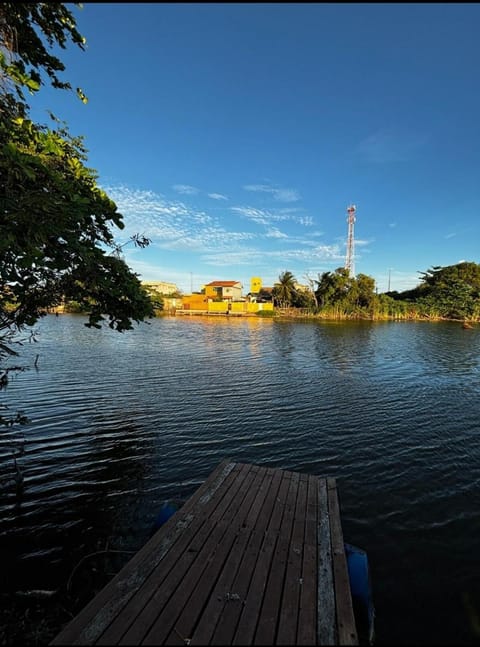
28 32
453 290
56 223
55 232
284 291
450 292
339 289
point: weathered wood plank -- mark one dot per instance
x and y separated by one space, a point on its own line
228 590
307 613
255 556
161 610
249 616
225 629
347 632
268 620
289 606
222 560
92 621
136 618
326 618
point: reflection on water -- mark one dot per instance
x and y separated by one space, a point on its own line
121 422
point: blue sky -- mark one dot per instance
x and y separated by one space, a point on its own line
236 135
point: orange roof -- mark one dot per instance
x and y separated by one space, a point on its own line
223 284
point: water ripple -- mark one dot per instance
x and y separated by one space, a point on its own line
121 422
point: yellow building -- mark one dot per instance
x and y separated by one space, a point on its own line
195 302
201 304
225 290
223 298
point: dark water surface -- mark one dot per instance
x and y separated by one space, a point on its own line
119 423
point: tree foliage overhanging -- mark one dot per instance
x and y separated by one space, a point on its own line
56 223
28 33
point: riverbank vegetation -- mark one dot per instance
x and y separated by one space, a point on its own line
451 292
443 293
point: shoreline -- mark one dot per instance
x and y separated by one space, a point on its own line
291 314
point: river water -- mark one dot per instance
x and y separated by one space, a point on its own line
121 422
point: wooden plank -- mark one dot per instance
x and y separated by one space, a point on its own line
268 620
162 606
210 503
307 613
225 629
97 615
289 607
326 618
247 624
222 562
347 632
255 556
227 591
136 615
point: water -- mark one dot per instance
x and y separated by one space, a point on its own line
121 422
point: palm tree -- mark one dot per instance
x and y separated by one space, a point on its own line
284 290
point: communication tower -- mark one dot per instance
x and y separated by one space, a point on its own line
350 257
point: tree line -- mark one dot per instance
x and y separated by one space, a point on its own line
450 292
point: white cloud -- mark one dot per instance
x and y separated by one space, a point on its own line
282 195
259 216
258 257
155 217
185 189
306 221
171 225
275 233
268 216
184 235
217 196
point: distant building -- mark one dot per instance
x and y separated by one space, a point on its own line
224 290
160 287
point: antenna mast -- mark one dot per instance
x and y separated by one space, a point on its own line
350 257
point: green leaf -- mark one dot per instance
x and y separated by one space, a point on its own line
32 85
81 96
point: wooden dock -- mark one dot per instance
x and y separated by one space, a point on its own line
254 557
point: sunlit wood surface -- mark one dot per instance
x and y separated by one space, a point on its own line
254 557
